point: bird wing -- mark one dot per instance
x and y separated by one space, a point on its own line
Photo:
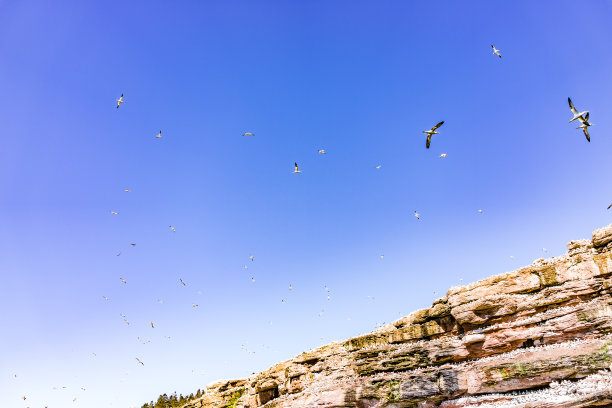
610 206
572 107
296 166
428 140
437 126
492 46
586 133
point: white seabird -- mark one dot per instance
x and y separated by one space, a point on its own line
575 111
432 132
496 51
297 170
120 101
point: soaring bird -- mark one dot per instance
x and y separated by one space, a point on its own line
416 214
252 257
114 213
172 228
152 325
290 287
377 167
248 134
120 101
479 211
297 170
194 305
252 279
104 297
443 155
122 280
585 125
575 111
127 190
321 151
139 362
182 283
158 135
610 206
496 51
132 244
432 132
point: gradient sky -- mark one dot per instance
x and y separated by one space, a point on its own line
360 79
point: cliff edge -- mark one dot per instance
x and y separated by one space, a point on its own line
540 336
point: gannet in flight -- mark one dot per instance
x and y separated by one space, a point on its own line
290 287
119 101
377 167
158 135
248 134
104 297
172 228
114 212
585 125
610 206
416 214
182 283
575 111
479 211
252 279
321 151
496 51
443 155
152 325
122 280
139 362
252 257
432 132
194 305
297 170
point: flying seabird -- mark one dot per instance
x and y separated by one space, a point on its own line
290 287
479 211
127 190
432 132
132 244
496 51
139 362
610 206
158 136
321 151
248 134
114 213
152 325
585 125
122 280
297 170
119 101
377 167
182 283
172 228
252 279
575 111
416 214
252 257
194 305
104 297
443 155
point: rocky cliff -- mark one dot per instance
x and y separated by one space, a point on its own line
540 336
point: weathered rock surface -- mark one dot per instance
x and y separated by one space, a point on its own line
540 336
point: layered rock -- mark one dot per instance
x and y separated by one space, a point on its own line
540 336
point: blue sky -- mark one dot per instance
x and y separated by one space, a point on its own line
359 79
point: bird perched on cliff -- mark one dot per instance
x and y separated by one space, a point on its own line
297 170
122 280
416 214
248 134
120 101
432 132
182 283
321 151
575 112
139 362
158 136
496 51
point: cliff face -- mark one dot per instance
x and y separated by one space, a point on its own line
540 336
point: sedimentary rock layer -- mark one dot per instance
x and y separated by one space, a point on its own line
540 336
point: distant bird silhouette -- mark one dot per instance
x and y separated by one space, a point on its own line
120 101
194 305
152 325
252 257
158 136
139 362
432 132
443 155
114 213
182 283
496 51
416 214
248 134
377 167
610 206
297 170
321 151
122 280
585 125
127 190
172 228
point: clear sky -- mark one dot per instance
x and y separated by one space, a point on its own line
360 79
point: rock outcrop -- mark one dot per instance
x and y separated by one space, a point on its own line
540 336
